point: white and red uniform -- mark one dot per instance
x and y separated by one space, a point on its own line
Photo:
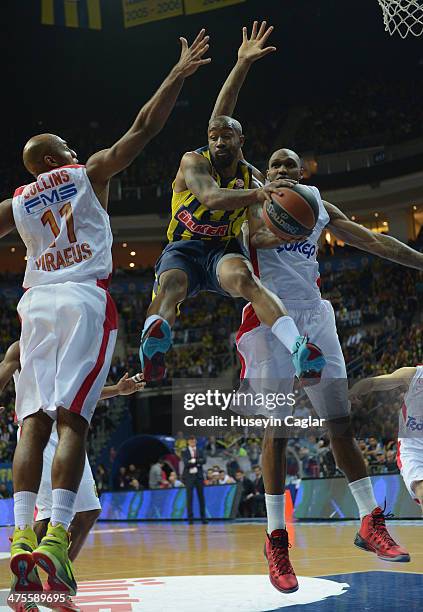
410 442
69 320
291 271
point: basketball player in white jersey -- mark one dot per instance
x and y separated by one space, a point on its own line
410 441
291 270
69 321
87 507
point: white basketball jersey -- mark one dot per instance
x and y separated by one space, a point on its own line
64 227
291 270
411 420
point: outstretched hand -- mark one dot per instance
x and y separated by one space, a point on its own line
253 48
128 386
192 57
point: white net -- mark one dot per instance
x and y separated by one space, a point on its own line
403 16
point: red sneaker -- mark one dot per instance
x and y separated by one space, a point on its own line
374 537
281 572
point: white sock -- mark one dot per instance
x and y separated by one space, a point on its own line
275 506
62 507
149 320
286 331
364 496
24 506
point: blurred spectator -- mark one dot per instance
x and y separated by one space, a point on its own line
4 491
258 499
101 479
180 443
225 478
155 476
247 495
122 479
173 481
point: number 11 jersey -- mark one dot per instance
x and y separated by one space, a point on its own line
65 229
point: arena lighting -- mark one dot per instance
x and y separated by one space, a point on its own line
132 265
385 223
26 258
327 236
376 214
133 253
353 218
12 249
124 244
414 207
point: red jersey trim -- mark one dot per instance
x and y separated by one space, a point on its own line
19 191
399 462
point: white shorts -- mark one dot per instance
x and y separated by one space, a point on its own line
67 342
410 461
264 358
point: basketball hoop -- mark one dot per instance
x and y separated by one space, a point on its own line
403 16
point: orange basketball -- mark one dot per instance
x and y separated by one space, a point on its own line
292 213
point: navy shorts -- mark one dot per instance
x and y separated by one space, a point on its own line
199 259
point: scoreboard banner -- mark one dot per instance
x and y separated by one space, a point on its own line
138 12
200 6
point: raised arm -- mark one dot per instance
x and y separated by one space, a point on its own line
251 50
151 118
195 172
386 382
7 221
10 364
377 244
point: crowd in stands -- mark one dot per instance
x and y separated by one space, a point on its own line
382 111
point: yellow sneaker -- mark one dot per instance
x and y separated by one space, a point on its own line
24 575
52 556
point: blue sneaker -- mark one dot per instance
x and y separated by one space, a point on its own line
155 343
308 361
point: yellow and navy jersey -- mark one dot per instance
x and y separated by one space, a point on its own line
191 220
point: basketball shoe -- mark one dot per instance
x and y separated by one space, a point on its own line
308 360
24 575
52 556
374 537
281 572
155 343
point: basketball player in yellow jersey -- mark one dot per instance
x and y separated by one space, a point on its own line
212 191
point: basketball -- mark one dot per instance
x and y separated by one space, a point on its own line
292 213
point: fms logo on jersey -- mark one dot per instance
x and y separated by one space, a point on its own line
49 197
304 248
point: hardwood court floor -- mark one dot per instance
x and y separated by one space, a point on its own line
128 550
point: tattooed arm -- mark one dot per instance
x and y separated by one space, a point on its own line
377 244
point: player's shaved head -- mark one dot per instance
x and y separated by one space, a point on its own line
45 152
285 163
222 121
286 153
